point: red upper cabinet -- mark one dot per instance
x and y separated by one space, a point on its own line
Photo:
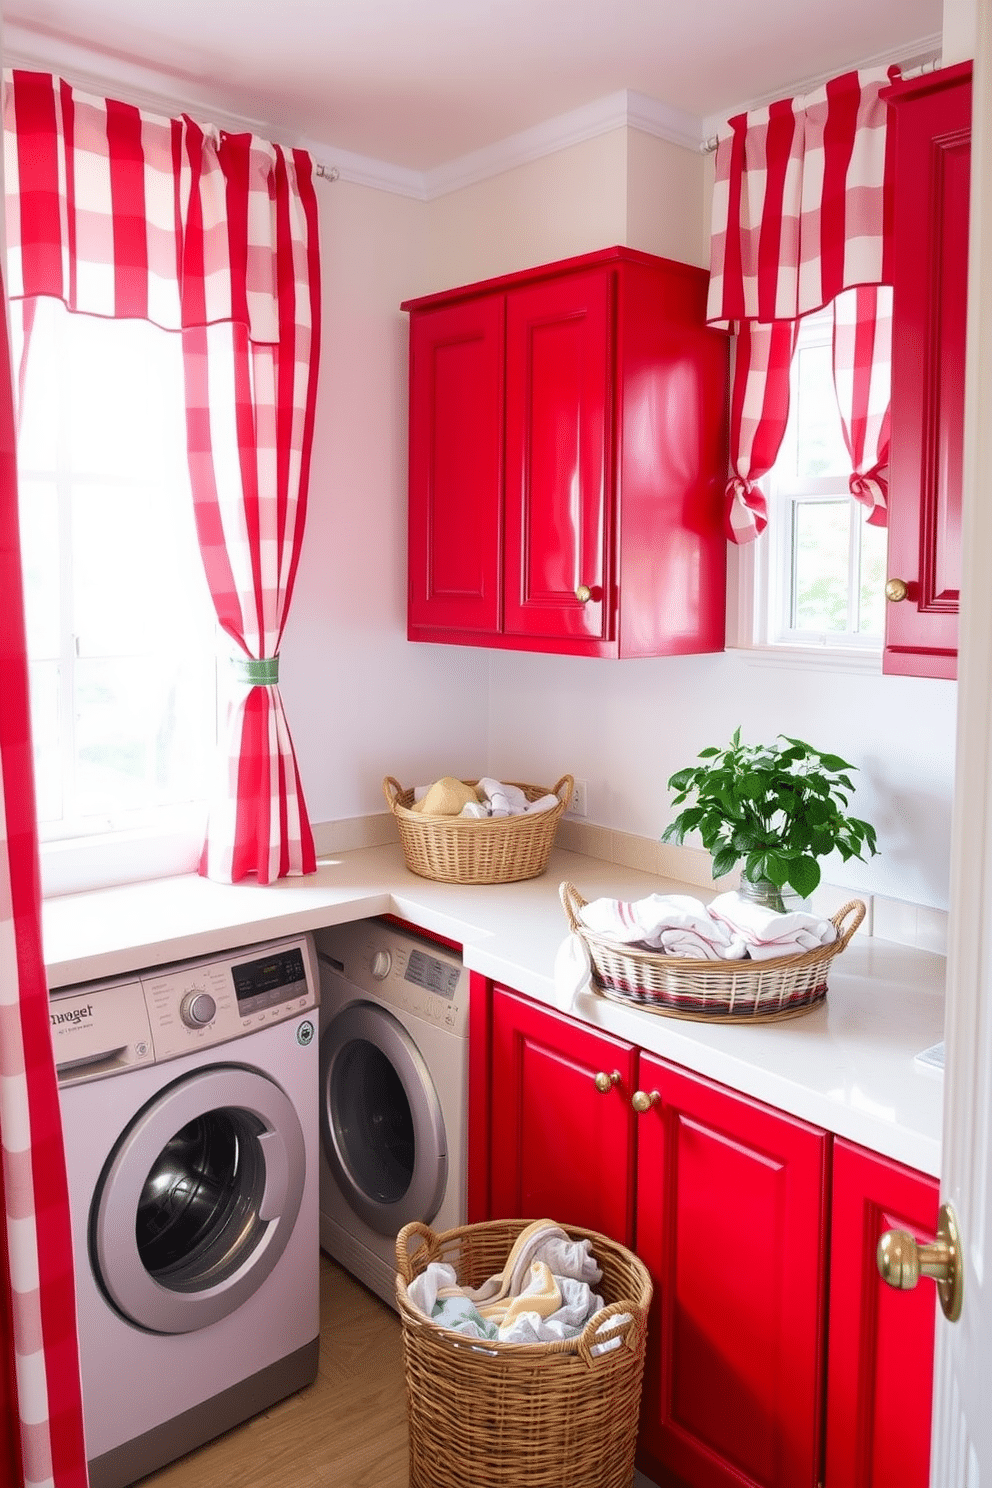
931 120
456 465
567 463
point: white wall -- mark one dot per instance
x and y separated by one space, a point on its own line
361 702
626 726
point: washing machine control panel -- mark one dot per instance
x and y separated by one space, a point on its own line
401 970
161 1014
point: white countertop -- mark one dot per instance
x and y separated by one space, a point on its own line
847 1066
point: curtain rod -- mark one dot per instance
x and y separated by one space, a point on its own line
327 172
707 146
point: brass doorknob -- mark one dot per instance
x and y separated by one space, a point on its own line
902 1261
604 1083
643 1100
583 594
896 590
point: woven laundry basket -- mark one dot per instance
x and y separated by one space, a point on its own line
721 991
503 1415
460 850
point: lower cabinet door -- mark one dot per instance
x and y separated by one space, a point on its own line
561 1147
880 1359
731 1221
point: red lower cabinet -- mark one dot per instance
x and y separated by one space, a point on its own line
880 1363
731 1210
561 1147
748 1220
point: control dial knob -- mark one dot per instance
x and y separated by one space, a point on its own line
197 1009
381 963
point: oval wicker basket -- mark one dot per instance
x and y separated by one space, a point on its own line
501 1415
461 850
724 991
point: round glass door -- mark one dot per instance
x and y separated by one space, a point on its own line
198 1211
198 1199
381 1122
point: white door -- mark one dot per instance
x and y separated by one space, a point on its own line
962 1444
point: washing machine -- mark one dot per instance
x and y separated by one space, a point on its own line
189 1107
393 1093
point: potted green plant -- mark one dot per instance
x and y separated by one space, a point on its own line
775 808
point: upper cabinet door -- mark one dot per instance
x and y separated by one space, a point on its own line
456 455
558 458
932 123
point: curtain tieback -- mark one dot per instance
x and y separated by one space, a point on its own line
871 489
261 673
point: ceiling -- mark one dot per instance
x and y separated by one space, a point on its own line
419 83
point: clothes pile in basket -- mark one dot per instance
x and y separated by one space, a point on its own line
730 928
451 797
543 1294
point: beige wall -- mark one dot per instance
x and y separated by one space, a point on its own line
571 202
667 204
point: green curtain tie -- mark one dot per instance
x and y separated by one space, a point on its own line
263 673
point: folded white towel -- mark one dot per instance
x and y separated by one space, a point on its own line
647 921
573 971
767 932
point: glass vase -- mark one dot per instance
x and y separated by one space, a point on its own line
770 896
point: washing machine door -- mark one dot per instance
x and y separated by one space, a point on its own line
198 1199
382 1127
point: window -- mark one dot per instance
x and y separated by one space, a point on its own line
819 571
120 626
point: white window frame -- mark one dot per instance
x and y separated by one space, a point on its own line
759 572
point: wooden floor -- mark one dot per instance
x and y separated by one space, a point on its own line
346 1430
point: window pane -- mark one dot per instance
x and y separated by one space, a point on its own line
45 680
125 716
38 515
819 436
874 549
122 762
821 558
139 581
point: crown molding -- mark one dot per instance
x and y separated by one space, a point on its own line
615 111
910 54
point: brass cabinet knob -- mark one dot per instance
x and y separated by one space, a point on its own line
642 1100
583 594
604 1083
896 590
902 1261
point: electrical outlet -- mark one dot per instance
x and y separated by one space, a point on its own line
579 804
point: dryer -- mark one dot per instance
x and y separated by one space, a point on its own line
189 1106
393 1093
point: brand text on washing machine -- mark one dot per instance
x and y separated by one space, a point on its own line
74 1015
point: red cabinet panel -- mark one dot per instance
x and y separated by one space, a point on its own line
880 1362
931 119
560 1148
559 352
731 1207
456 463
614 437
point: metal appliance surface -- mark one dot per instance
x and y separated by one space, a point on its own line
188 1097
393 1092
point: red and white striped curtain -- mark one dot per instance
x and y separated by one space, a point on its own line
41 1428
800 215
125 214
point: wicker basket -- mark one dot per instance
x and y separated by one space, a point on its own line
505 1415
459 849
725 991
